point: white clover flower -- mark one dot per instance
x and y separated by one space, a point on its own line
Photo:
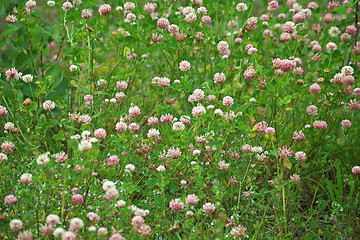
160 168
50 3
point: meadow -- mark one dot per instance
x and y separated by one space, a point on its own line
167 119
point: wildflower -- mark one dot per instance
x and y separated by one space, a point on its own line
120 95
178 126
26 178
16 224
333 5
10 199
137 221
50 3
288 27
208 207
315 88
223 166
197 111
312 110
122 85
273 5
111 194
112 161
331 46
206 19
191 17
27 78
249 73
116 236
197 95
285 152
202 10
334 31
238 40
269 130
238 231
163 23
241 7
196 152
320 125
176 204
184 66
134 126
102 230
60 157
76 223
105 9
129 6
150 7
355 170
3 111
173 153
262 126
47 229
353 104
77 198
300 156
285 37
73 68
43 159
48 105
85 145
120 204
60 232
25 235
52 219
228 101
121 126
66 6
152 121
185 120
160 168
129 168
100 133
189 213
153 133
85 13
299 136
166 118
183 182
134 111
346 123
295 178
13 74
3 157
9 126
11 19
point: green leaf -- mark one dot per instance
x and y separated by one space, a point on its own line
10 29
59 136
327 62
21 60
59 90
58 81
340 10
313 224
287 164
285 100
8 93
29 90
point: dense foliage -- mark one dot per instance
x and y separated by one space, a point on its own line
179 120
